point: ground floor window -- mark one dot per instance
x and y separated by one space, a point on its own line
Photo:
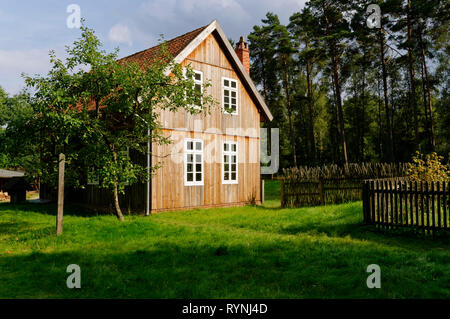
230 163
193 162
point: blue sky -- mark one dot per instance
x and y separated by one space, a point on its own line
29 29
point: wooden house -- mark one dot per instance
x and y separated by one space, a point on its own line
214 159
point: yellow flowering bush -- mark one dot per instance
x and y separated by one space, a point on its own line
428 168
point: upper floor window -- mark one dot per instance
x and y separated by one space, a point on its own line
198 86
230 163
193 162
230 96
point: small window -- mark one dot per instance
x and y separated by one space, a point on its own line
198 86
193 162
230 96
230 163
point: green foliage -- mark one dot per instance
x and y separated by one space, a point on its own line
93 108
428 168
325 29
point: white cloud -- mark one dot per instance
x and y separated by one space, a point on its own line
15 62
237 17
120 33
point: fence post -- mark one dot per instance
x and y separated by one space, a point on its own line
262 191
59 216
322 193
365 198
282 193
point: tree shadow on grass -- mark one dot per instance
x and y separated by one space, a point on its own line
168 270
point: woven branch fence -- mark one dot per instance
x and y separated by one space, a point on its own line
332 184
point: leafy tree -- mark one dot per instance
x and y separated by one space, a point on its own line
95 116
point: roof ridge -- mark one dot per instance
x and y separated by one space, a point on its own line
167 41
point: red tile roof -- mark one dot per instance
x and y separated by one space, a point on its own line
174 46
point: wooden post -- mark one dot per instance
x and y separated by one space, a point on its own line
322 193
365 197
59 217
262 191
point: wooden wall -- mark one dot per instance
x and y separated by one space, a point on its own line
215 127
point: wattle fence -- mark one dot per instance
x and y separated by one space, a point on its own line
296 193
332 184
400 203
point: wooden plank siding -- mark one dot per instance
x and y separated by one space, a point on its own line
214 128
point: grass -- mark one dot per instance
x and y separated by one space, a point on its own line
243 252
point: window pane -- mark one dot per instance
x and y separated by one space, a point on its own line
190 177
233 167
198 158
189 168
198 76
233 176
226 167
227 176
233 94
233 101
190 158
198 177
225 147
226 92
226 82
190 145
226 100
233 84
198 168
233 158
198 146
198 87
226 158
233 147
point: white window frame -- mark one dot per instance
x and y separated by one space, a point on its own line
230 89
193 152
199 82
230 153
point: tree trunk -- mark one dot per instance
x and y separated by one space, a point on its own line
288 104
337 86
413 101
310 108
116 194
427 82
390 146
116 203
363 106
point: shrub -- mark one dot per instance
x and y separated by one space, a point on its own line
428 168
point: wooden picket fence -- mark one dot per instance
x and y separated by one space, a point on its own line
400 203
295 193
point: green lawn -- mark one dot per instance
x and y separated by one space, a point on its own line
244 252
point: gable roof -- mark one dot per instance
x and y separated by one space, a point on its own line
174 46
181 46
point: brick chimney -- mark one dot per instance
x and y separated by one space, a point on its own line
243 53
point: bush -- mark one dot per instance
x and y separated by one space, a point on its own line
428 168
